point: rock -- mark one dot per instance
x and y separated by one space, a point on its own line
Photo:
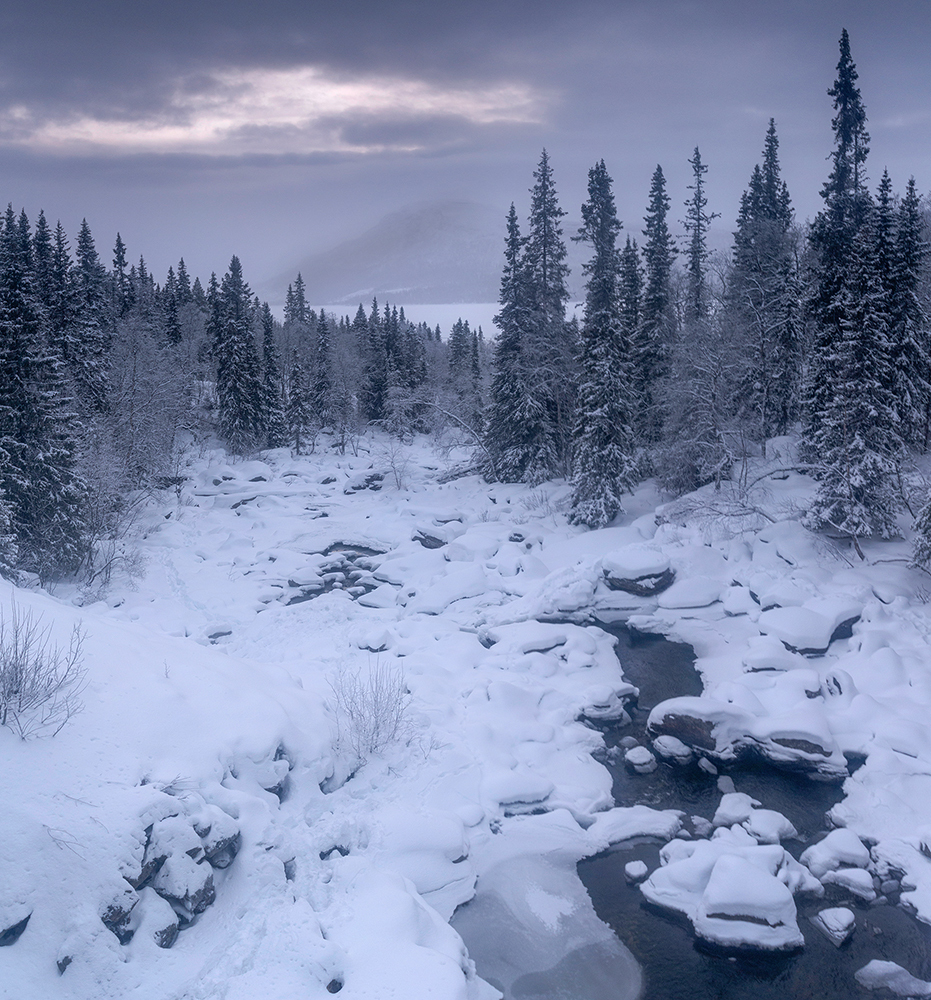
63 963
878 975
427 540
694 592
640 760
155 918
767 826
812 628
364 481
220 836
641 570
115 916
839 847
855 880
635 871
735 893
603 702
745 906
670 748
691 730
837 923
11 934
706 766
735 807
180 880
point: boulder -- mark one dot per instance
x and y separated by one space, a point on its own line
640 760
641 570
836 923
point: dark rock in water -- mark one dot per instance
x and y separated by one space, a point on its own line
689 730
806 746
642 586
13 933
845 629
427 541
373 481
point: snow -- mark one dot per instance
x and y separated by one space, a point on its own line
227 751
839 847
735 892
877 975
837 923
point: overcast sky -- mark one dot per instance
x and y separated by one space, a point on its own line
273 129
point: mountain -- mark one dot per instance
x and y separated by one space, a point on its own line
439 252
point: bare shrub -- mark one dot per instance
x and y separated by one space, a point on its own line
40 681
372 711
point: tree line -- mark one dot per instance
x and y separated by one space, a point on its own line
680 372
107 376
683 363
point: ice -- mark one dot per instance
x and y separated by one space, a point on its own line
627 822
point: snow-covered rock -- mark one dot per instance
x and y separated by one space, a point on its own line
638 569
839 847
836 923
735 893
635 871
879 974
640 760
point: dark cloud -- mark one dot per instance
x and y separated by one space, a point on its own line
634 81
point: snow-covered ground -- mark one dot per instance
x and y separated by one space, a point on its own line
214 794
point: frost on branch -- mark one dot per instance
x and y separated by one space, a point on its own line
373 711
40 681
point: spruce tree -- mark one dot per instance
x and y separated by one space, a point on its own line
631 290
548 349
909 324
858 437
238 380
762 298
602 435
273 405
297 412
321 390
90 337
832 235
697 221
513 416
654 339
39 485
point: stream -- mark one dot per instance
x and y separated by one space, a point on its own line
586 962
674 966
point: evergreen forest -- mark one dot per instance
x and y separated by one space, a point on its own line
681 365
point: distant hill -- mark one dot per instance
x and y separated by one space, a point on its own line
449 251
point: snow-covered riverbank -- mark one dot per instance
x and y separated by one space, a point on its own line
211 709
